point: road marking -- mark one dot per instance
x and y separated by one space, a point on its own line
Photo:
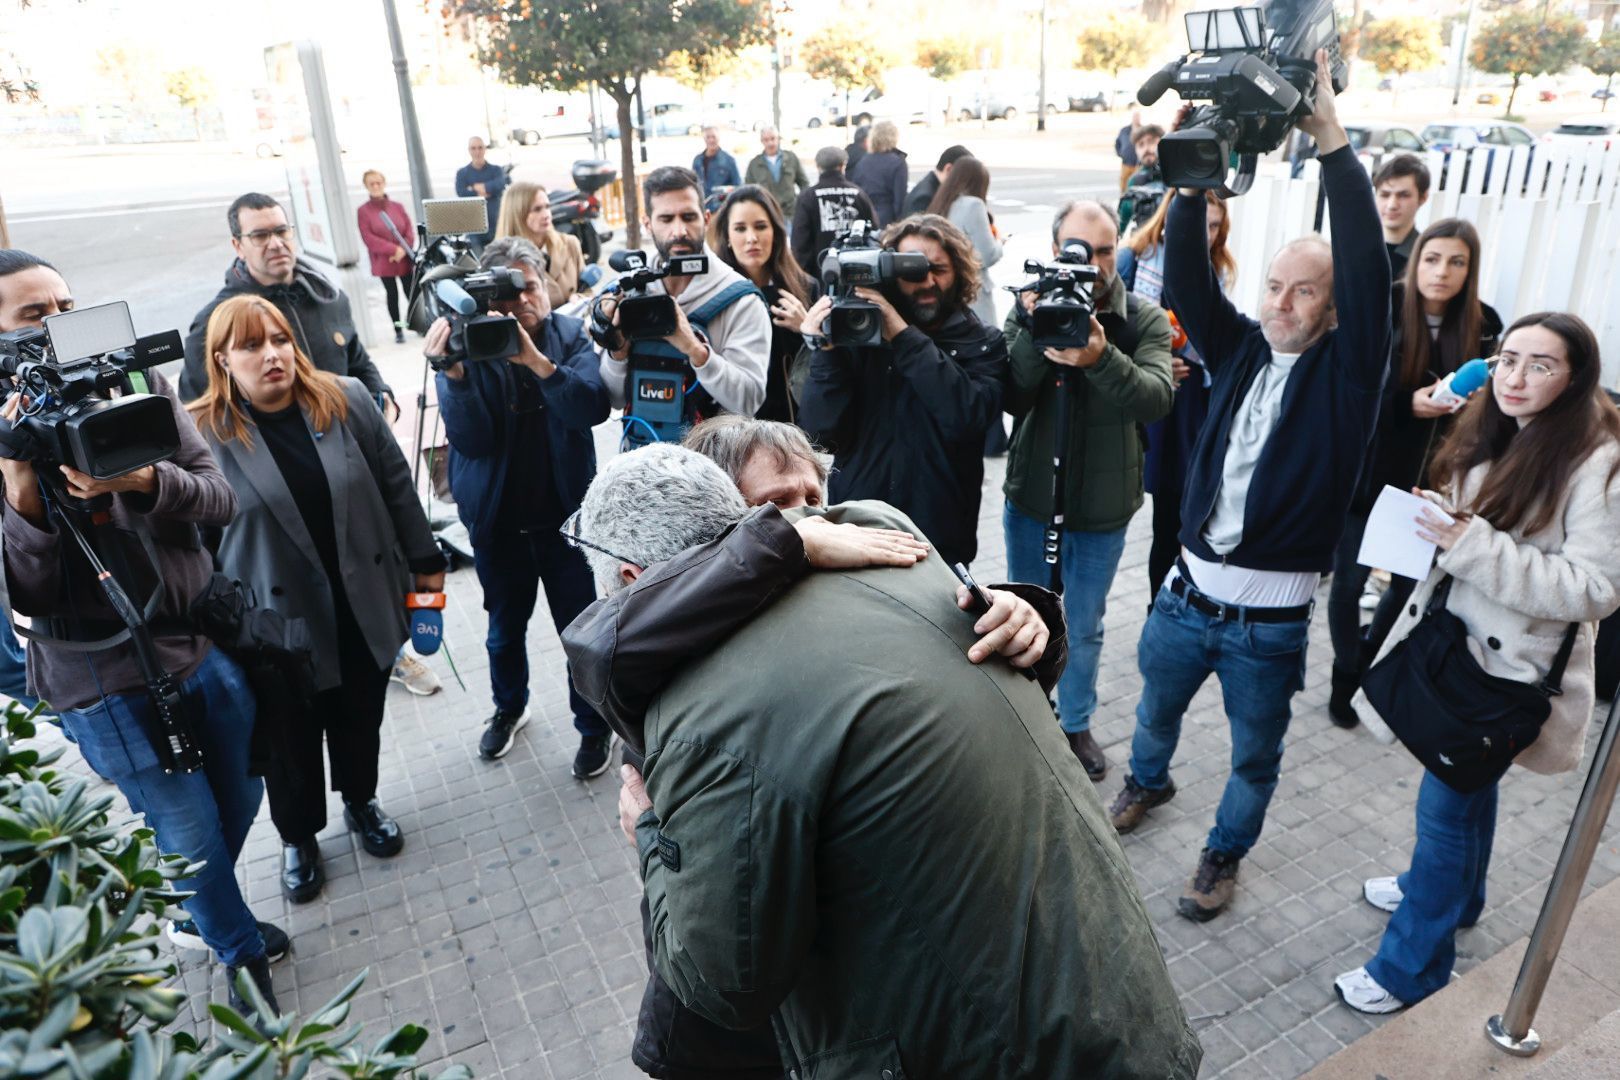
212 204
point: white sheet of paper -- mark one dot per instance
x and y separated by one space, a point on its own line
1391 541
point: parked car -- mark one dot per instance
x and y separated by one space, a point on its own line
1547 95
1602 93
1585 129
1380 139
561 121
663 119
1386 83
1093 101
903 107
1450 135
1487 97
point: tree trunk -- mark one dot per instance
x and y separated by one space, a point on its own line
1608 88
627 167
1512 93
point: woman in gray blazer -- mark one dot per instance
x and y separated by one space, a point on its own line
961 199
324 496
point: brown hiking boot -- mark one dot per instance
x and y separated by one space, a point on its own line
1091 756
1133 803
1210 889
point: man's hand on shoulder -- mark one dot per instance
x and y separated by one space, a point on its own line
1323 122
849 546
633 801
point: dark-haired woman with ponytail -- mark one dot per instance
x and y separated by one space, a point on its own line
1440 324
1530 475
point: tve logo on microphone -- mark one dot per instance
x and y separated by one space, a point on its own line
425 611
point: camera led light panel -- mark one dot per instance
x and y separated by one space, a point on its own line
90 331
1224 29
455 217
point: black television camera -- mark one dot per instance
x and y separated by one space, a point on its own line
642 315
1257 68
448 283
857 260
1064 301
80 406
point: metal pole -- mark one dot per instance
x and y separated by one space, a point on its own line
1511 1028
1040 101
421 186
1462 55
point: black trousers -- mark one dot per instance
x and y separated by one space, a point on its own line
392 288
1166 543
349 720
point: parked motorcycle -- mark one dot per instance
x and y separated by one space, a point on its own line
579 211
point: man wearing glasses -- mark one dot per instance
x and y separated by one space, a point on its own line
267 265
521 457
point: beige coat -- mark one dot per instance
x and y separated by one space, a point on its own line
565 261
1517 595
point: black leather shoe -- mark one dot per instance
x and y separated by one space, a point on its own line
257 969
380 834
301 874
1092 758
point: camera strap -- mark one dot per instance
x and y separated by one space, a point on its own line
69 633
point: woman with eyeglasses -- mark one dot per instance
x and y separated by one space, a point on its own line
1530 475
1440 324
526 213
750 235
327 529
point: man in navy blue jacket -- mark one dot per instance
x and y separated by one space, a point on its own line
1293 405
521 457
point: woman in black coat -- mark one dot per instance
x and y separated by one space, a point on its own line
882 173
1440 324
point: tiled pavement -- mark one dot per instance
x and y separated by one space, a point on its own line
509 925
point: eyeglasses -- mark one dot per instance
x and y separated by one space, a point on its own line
570 533
1534 371
261 237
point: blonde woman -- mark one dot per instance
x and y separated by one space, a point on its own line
526 213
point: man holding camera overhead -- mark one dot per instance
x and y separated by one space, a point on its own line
718 352
88 670
1293 406
1105 390
905 412
521 457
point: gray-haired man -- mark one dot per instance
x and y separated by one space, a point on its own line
860 899
826 208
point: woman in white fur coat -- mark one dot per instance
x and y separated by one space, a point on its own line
1530 474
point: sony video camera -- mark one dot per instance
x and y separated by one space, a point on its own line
1064 301
857 259
642 315
448 283
1256 66
81 409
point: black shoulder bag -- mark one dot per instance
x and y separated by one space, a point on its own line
1466 726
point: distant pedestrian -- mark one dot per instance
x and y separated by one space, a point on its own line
1125 147
385 229
482 178
858 147
715 167
827 208
882 173
962 201
923 192
526 213
776 170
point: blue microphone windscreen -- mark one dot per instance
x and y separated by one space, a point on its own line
1470 377
455 297
427 630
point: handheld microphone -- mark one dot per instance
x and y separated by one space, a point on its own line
455 298
1178 336
1454 389
1157 83
426 614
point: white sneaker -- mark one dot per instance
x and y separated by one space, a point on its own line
415 676
1383 893
1358 990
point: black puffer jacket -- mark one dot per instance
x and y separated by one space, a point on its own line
906 424
322 324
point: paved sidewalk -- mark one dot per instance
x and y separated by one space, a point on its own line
509 925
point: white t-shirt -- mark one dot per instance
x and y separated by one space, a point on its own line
1250 588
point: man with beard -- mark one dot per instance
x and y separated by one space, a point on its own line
1292 409
907 417
722 340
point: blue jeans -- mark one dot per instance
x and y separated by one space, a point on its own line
1089 562
1445 889
1260 665
203 816
13 667
511 568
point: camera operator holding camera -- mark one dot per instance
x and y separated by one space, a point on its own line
1293 406
267 265
906 410
1117 381
90 664
521 457
717 353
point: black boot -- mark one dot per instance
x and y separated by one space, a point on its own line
257 969
301 874
1345 684
380 834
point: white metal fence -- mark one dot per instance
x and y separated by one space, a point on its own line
1548 217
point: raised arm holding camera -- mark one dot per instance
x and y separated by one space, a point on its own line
151 705
1084 379
521 457
904 381
1293 406
669 365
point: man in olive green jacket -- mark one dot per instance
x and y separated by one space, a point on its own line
778 171
1118 382
852 827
